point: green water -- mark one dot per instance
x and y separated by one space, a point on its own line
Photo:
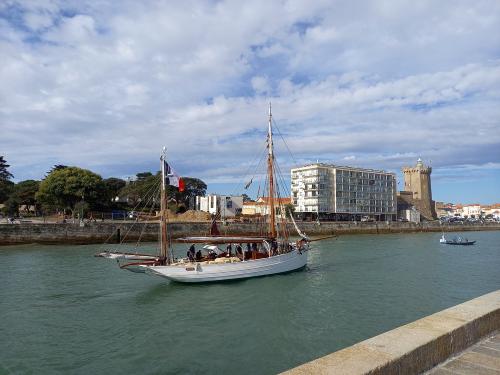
64 311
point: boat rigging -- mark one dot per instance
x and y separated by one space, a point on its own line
267 254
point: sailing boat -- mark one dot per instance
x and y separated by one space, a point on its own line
253 256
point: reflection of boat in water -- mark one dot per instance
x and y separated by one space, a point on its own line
456 241
238 257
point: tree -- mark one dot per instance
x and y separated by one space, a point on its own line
145 189
192 188
56 168
6 186
26 191
143 176
112 187
4 173
11 206
64 188
246 198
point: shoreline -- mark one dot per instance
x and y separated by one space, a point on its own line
94 233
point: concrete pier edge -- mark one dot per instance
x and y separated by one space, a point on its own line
415 347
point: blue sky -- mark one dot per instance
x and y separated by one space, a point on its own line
373 84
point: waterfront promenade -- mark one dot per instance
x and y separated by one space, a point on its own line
480 359
99 232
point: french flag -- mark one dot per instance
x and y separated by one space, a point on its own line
172 178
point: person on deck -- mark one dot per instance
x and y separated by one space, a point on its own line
239 252
254 250
198 255
212 254
192 250
229 250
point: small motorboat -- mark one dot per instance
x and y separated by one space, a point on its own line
456 241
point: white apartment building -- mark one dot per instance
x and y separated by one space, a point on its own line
223 205
345 193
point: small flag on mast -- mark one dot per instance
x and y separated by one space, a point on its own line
249 183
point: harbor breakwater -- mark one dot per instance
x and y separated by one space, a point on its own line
113 232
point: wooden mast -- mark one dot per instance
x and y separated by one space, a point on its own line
164 253
270 172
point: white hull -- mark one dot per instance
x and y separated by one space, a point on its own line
202 272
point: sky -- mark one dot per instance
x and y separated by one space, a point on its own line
104 85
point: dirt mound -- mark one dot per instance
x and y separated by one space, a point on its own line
192 215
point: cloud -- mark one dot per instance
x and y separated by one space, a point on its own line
378 84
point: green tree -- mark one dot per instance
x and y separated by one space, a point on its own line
11 206
56 168
4 173
6 186
143 176
246 198
145 189
192 188
26 191
64 188
112 187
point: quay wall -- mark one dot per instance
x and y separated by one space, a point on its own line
416 347
107 231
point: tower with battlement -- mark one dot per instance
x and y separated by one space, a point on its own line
418 182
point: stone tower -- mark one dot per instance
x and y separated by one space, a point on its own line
418 181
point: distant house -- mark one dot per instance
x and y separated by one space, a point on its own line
261 207
471 211
223 205
493 210
444 209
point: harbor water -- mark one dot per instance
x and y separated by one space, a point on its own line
64 311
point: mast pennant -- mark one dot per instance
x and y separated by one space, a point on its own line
172 178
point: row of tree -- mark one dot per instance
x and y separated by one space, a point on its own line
76 190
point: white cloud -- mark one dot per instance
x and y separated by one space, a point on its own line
260 85
104 86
